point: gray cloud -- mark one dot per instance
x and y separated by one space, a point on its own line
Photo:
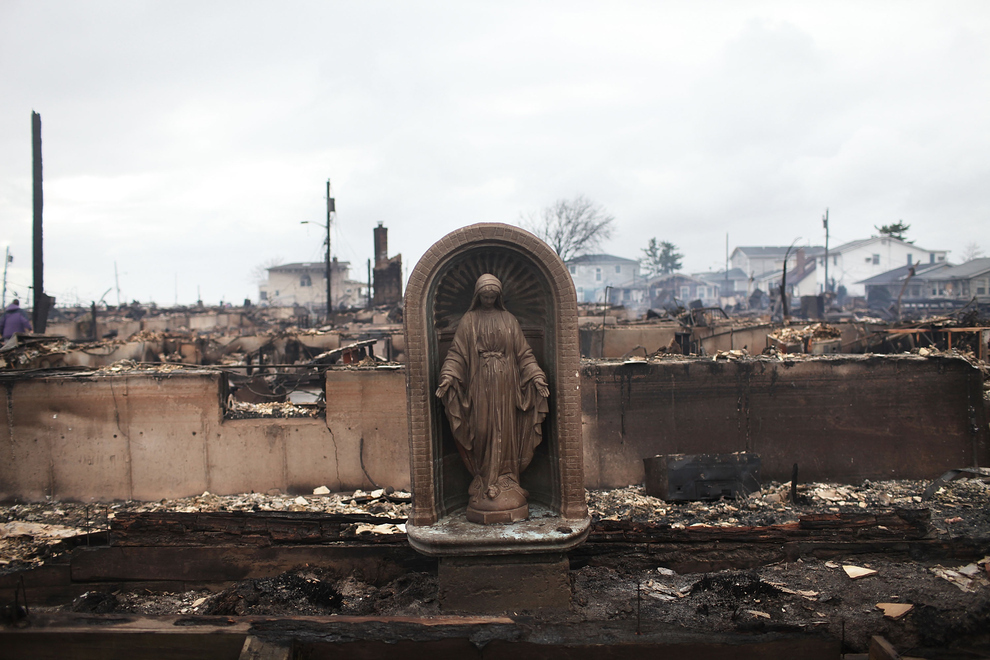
189 140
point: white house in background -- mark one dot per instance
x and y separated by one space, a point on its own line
592 273
851 263
848 264
305 284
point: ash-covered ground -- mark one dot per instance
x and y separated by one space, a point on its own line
949 600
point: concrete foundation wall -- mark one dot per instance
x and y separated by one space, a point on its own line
842 419
149 436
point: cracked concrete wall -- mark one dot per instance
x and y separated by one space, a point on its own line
152 436
844 419
149 436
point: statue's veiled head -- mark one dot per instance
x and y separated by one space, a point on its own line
487 293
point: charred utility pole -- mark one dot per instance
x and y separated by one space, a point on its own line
41 301
6 261
331 209
825 223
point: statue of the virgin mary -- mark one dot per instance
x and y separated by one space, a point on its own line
495 395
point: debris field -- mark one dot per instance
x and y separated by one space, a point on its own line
921 604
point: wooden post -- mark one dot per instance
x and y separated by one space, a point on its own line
39 307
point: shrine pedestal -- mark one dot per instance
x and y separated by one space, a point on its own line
504 584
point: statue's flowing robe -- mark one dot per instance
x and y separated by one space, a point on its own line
494 408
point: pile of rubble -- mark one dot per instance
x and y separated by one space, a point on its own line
277 409
960 507
24 352
914 604
818 338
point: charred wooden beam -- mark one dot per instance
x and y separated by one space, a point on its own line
262 528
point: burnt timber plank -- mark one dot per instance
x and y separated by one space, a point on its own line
377 564
890 525
260 528
272 528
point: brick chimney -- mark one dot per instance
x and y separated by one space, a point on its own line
381 246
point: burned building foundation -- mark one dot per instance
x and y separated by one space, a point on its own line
152 435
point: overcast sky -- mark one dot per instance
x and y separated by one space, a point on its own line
187 141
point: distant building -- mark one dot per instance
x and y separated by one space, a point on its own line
932 282
849 264
759 261
735 286
963 282
680 290
593 273
305 285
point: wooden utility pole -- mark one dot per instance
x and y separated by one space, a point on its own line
39 311
330 210
6 261
825 223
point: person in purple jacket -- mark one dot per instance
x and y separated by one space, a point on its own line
14 320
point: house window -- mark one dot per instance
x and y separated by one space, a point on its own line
685 292
263 295
305 280
572 270
580 291
931 257
618 269
835 260
598 274
910 259
876 259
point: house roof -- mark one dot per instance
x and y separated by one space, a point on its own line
770 251
600 258
852 245
964 271
308 266
660 279
898 274
719 275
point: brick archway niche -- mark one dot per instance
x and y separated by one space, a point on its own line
538 290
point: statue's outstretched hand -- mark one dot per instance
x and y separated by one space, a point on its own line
541 387
445 382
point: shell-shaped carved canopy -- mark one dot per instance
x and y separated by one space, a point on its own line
524 289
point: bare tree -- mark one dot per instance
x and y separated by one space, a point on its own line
571 226
972 251
259 273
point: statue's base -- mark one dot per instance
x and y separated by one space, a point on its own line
504 584
544 532
493 517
